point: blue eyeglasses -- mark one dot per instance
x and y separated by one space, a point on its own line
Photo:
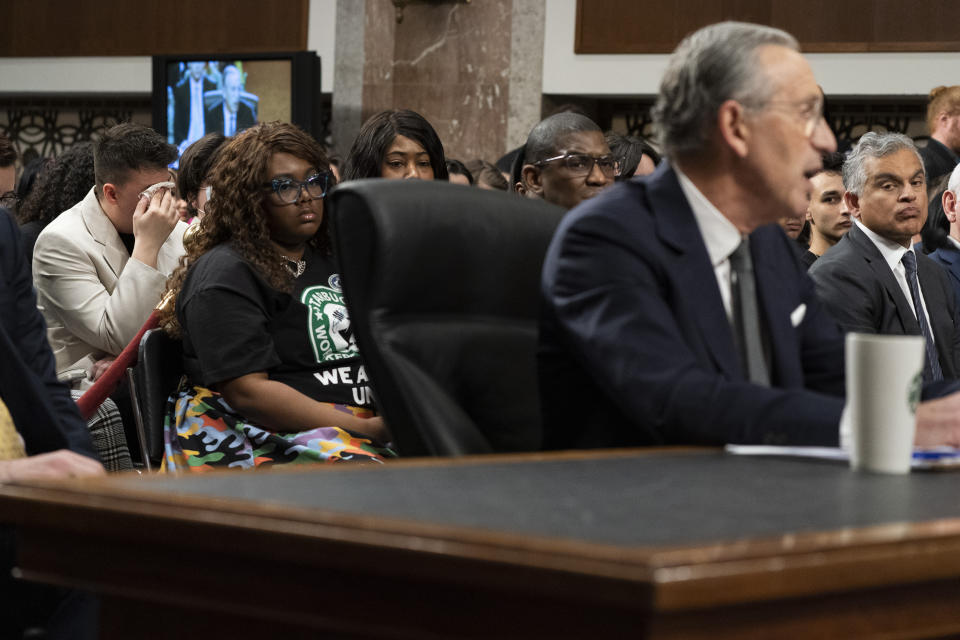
289 190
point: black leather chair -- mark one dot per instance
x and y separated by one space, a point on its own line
442 283
152 380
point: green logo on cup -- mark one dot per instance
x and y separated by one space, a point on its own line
913 394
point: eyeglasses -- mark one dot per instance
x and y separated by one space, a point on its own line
810 110
580 164
10 200
289 190
207 191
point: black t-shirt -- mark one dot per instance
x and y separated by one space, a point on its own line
235 323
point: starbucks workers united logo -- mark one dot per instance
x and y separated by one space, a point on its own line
330 332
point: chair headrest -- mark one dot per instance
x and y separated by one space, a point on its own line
441 244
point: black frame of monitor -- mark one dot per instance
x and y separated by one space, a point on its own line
305 87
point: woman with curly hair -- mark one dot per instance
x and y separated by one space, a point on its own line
273 370
60 186
397 144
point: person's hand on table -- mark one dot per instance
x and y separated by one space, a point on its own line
938 422
57 464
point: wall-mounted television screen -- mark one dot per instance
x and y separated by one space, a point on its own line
198 94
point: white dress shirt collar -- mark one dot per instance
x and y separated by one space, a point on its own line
719 234
891 251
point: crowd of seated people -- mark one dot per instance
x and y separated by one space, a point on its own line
96 298
697 298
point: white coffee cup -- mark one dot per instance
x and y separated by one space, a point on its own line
884 378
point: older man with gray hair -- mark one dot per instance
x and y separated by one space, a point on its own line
674 310
872 281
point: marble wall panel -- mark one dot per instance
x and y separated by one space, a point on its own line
471 126
457 64
526 70
452 64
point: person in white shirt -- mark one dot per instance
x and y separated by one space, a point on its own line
99 268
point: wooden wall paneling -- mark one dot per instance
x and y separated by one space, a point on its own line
148 27
651 26
657 26
907 25
757 11
826 25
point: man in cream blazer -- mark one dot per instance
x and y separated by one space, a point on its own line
101 266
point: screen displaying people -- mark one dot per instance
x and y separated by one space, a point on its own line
224 96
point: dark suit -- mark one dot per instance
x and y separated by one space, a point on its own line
181 108
937 158
214 118
636 347
858 287
47 419
948 257
41 407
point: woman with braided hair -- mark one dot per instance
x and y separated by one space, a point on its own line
273 372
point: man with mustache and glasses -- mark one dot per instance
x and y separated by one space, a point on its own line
873 281
567 160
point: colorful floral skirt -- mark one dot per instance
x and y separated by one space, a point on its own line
201 432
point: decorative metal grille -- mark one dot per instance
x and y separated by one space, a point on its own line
848 116
43 126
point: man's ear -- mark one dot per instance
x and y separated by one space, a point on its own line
950 206
809 217
531 180
853 204
733 128
110 193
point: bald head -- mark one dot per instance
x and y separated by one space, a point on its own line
549 136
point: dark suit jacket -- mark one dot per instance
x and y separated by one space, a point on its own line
937 158
948 257
861 292
42 409
635 345
214 118
181 108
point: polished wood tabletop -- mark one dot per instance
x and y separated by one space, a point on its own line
630 543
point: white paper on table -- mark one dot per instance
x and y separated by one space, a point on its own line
923 458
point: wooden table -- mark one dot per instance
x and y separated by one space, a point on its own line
662 544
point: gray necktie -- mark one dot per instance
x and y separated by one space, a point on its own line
746 316
931 371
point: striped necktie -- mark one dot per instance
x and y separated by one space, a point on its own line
932 371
